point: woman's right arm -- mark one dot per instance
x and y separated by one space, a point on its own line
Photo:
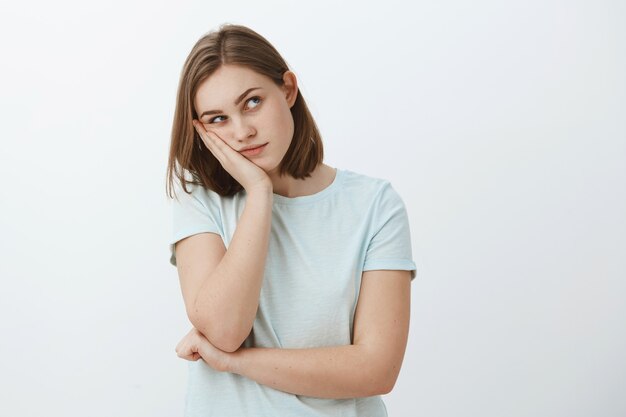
221 287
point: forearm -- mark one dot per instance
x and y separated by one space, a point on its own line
226 304
347 371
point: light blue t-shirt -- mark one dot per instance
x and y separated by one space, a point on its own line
319 246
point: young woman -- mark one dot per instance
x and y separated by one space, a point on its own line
295 275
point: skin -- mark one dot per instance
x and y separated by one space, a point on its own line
371 364
254 121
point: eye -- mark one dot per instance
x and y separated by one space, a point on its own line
213 119
253 98
257 98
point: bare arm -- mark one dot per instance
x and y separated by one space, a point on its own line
222 300
327 372
221 287
370 366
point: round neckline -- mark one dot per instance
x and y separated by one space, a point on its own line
304 199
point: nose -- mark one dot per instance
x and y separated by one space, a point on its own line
242 130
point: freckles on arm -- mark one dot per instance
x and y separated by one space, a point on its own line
370 366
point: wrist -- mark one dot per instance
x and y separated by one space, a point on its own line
236 361
261 191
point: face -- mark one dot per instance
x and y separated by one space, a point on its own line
245 109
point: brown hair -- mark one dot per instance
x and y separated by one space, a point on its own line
238 45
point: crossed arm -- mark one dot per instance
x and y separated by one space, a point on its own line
369 366
221 290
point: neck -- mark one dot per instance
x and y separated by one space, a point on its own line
288 186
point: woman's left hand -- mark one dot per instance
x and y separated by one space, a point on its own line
195 346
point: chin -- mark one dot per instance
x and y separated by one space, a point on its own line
269 168
271 171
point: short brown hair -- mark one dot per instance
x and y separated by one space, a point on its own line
238 45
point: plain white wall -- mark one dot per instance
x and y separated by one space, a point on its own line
501 124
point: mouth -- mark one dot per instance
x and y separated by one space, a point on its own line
253 151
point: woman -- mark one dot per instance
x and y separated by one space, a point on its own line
295 275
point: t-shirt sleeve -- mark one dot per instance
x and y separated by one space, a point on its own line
390 244
192 214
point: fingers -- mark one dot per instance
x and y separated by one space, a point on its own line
187 352
217 146
187 348
225 154
238 166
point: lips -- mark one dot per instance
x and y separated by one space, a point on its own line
253 151
247 148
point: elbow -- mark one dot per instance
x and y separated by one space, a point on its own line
383 386
384 375
379 383
228 342
224 337
228 346
389 377
387 386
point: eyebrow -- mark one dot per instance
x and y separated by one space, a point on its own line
245 93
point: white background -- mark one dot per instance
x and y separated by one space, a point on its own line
501 124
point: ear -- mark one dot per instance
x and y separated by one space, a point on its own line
290 87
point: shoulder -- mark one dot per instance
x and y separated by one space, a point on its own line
202 203
198 194
374 189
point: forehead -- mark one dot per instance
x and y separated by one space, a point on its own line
226 84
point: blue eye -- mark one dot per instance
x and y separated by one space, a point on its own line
257 98
213 119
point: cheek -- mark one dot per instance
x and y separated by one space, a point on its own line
285 119
277 121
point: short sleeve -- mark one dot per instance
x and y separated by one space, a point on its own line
390 244
192 214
